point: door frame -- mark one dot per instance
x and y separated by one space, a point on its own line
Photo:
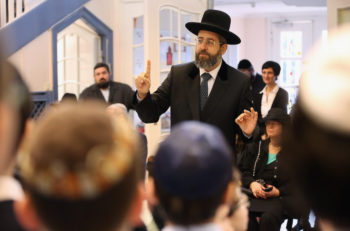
102 29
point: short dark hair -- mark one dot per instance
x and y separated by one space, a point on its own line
318 159
275 67
98 65
14 90
245 64
185 212
78 132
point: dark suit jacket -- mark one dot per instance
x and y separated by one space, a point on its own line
8 219
118 93
280 101
257 83
230 95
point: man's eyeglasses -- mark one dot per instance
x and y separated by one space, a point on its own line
207 42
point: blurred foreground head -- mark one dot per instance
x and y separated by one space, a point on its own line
192 172
81 168
15 109
318 144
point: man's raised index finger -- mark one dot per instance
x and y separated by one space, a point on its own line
148 69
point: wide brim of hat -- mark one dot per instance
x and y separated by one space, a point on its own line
195 27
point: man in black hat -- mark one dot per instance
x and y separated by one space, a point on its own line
207 89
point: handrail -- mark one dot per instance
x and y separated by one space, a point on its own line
10 10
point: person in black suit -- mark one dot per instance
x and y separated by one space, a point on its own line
207 89
255 78
106 90
272 96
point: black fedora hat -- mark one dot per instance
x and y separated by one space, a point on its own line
277 114
215 21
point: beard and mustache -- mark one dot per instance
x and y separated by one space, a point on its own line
207 62
103 84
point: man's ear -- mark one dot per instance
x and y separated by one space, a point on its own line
229 193
223 49
26 214
134 215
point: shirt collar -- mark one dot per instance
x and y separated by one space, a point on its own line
213 73
274 90
10 189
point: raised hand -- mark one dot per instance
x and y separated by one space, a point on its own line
247 121
143 82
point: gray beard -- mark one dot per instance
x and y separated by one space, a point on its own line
207 63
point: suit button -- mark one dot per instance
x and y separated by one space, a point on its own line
275 168
275 176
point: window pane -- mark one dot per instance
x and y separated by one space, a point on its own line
165 121
163 76
291 44
168 54
138 60
185 34
291 71
138 30
187 53
164 23
175 33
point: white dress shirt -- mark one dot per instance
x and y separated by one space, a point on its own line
266 101
213 73
10 189
105 93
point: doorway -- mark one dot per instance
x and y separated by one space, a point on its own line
78 50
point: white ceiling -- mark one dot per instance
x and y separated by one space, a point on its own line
241 8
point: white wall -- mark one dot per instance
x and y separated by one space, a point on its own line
34 63
255 32
333 6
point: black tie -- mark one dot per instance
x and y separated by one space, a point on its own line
204 89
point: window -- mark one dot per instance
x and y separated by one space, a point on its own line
176 43
138 59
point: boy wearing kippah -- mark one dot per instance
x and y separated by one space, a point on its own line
193 176
80 171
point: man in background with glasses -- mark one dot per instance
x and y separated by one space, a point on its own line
207 89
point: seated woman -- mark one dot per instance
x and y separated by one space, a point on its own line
261 173
272 96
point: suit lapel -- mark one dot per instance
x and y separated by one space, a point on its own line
192 85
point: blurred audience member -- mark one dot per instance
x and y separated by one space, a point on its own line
15 108
235 216
318 143
80 171
255 78
193 176
119 109
69 97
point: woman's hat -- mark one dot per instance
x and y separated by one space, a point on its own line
277 114
215 21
